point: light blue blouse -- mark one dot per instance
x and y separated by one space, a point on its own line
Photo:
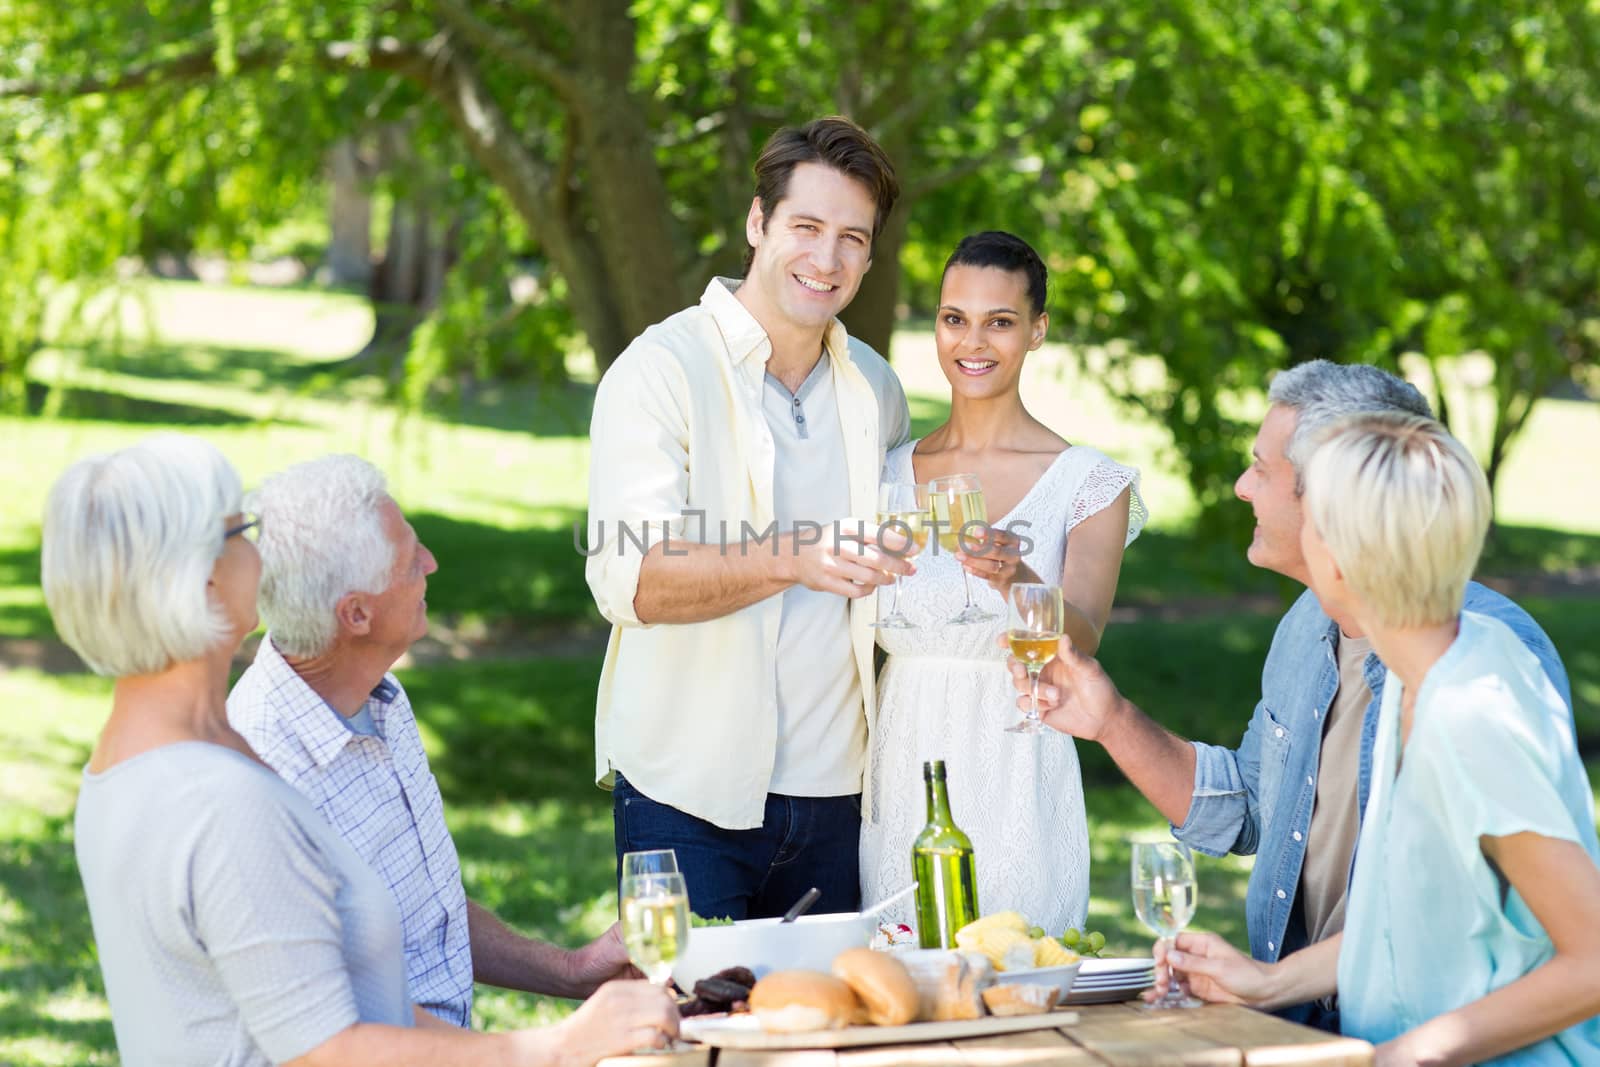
1430 925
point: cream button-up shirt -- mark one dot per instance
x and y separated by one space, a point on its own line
681 451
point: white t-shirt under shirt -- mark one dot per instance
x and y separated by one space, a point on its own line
233 924
822 729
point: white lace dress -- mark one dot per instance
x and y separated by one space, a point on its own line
945 694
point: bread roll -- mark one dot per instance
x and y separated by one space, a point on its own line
881 983
788 1002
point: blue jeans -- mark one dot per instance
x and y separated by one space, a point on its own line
752 874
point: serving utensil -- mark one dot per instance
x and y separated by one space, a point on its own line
803 905
892 898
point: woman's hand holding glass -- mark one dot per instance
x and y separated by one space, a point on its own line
621 1017
1213 970
997 559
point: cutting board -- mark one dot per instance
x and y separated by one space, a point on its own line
742 1031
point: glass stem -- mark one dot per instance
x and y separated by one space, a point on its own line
966 585
1034 670
894 609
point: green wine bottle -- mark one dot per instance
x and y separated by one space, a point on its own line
941 861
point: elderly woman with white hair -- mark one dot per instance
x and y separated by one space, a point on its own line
233 925
1471 934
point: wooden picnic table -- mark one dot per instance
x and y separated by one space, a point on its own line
1107 1035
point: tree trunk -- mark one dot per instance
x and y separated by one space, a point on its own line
406 284
625 190
350 217
871 315
546 202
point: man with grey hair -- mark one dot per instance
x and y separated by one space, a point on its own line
1294 790
343 583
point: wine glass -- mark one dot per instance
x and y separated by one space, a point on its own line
898 504
1164 897
654 861
956 502
655 922
1035 615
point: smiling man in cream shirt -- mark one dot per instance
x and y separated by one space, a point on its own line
728 441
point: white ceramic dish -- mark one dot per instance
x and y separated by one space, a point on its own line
763 945
1111 980
1111 995
1096 968
1061 977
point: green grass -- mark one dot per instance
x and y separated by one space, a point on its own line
493 483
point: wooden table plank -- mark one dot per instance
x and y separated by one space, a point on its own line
936 1054
692 1056
811 1057
1127 1037
1111 1035
1032 1048
1268 1041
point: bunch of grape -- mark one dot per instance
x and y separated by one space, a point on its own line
1084 944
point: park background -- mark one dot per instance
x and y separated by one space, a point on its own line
419 230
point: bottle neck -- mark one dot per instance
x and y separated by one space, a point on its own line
938 802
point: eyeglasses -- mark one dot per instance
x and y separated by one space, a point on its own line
249 529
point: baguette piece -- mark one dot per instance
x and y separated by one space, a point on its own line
948 983
1020 998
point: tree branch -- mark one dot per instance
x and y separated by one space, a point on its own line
521 54
976 161
908 106
384 54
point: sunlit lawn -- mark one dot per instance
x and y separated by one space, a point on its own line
494 485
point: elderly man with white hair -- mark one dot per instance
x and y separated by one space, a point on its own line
344 580
1294 790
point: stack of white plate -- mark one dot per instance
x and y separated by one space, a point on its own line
1108 981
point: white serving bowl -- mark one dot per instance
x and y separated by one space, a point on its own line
1061 977
809 943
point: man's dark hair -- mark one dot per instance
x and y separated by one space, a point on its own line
1006 251
834 142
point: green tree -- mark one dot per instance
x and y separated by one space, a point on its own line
1225 186
1251 186
618 135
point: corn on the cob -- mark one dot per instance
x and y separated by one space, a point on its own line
1000 920
1007 949
1048 952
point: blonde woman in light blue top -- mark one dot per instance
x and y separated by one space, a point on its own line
1473 926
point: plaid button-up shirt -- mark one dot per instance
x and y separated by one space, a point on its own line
369 777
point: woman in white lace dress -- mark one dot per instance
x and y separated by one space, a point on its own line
945 692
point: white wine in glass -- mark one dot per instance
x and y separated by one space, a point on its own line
898 505
955 501
1036 615
655 922
1164 897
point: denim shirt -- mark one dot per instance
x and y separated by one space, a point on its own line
1258 798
